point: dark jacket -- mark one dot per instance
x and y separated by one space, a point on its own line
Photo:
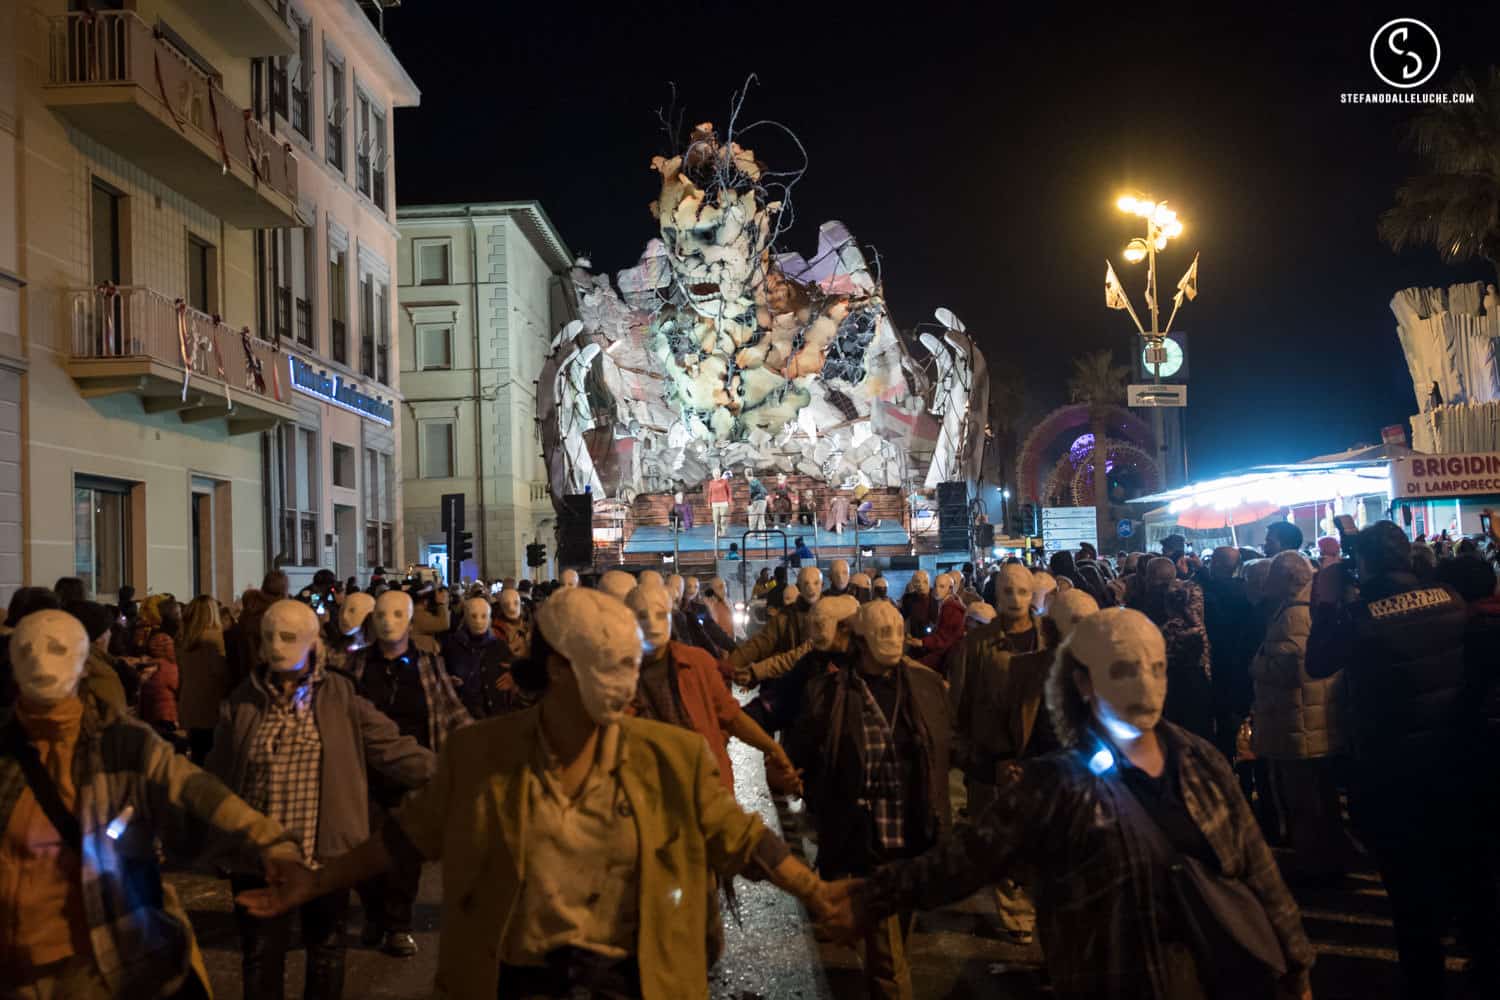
978 693
1232 634
825 745
477 665
1094 903
1401 647
357 739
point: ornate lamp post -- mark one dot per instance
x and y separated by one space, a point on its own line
1162 226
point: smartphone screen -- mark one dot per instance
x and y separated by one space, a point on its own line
1484 523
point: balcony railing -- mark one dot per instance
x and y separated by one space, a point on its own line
304 322
126 85
136 339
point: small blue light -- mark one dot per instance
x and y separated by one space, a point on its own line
117 826
1101 761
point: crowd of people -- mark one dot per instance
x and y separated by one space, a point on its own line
1134 736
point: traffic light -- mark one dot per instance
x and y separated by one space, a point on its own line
465 550
1028 520
1015 527
536 555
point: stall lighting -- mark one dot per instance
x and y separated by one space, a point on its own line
1282 489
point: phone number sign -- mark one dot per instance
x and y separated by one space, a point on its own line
1430 477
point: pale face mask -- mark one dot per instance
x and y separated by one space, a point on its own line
510 605
884 632
830 613
810 584
570 578
392 616
943 588
287 634
356 609
1126 658
601 641
920 582
690 588
838 574
48 650
477 615
1013 592
653 613
675 587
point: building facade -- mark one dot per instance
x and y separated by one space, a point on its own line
159 182
482 290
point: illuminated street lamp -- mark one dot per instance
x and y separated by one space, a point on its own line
1162 226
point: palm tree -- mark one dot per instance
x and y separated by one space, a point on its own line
1099 383
1455 206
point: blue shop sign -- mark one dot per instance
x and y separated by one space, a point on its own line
339 391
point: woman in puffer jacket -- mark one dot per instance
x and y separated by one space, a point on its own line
1298 725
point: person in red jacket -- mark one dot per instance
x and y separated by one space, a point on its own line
680 685
162 617
933 647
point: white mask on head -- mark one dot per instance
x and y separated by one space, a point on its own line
920 583
882 628
356 609
601 641
1013 592
942 588
838 574
570 578
1126 658
1069 608
675 588
826 617
1043 586
477 615
690 589
392 616
651 578
287 635
510 605
48 650
810 584
617 583
652 607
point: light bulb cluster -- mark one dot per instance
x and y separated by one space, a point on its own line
1162 225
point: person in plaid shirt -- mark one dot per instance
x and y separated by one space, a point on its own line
295 740
1106 823
404 678
872 743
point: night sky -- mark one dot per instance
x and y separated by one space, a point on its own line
980 153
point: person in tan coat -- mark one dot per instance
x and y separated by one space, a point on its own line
1298 723
203 670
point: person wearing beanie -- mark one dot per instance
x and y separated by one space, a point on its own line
872 742
1141 799
613 902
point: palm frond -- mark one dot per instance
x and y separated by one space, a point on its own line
1097 380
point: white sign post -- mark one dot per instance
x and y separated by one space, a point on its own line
1064 529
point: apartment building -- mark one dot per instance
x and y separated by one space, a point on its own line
482 290
191 220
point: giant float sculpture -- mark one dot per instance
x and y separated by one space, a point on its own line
716 351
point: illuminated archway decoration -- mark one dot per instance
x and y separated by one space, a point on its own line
1118 454
1062 426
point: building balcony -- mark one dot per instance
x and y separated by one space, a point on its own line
248 27
116 80
138 341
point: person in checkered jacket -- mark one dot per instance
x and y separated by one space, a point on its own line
297 742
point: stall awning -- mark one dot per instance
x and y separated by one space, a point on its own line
1276 486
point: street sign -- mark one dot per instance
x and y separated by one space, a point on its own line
1125 528
1153 395
1066 528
